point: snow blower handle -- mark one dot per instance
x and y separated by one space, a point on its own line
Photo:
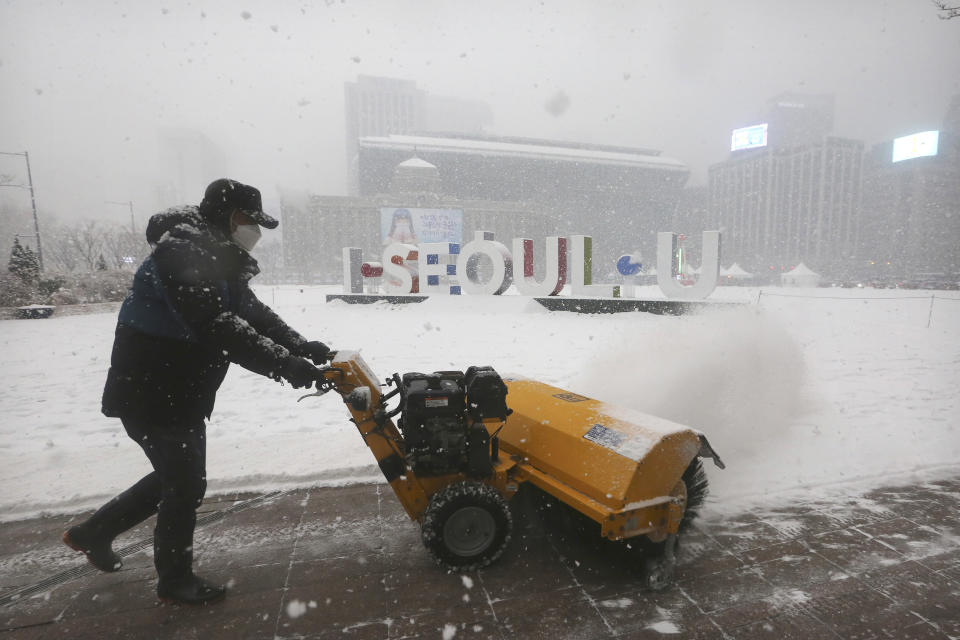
316 351
323 383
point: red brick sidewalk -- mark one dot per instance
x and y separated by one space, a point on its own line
347 563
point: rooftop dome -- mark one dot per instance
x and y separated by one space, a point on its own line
415 175
416 163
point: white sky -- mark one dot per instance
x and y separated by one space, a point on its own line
86 86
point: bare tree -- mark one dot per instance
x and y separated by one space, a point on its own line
946 11
59 245
123 248
76 246
89 241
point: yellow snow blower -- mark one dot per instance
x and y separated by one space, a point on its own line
457 454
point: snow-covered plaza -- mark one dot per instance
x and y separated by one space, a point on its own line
799 390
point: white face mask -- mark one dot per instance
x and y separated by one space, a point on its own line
246 235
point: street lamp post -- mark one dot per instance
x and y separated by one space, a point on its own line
33 200
129 203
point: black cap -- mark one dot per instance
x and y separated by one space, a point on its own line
225 195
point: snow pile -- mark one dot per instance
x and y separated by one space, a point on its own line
619 603
297 608
794 394
665 627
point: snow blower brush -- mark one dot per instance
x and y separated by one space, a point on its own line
457 454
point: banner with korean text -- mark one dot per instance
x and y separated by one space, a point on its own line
416 226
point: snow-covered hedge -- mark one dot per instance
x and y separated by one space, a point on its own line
16 292
100 286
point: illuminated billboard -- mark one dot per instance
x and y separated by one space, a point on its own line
917 145
749 137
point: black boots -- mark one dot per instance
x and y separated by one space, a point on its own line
98 552
189 590
192 590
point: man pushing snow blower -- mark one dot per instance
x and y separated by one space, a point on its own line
189 314
459 451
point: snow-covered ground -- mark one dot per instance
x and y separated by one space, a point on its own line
799 390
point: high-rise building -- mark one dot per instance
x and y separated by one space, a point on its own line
799 119
792 194
781 207
380 106
377 106
912 206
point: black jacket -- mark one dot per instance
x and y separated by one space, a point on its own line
189 313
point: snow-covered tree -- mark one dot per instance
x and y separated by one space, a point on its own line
24 262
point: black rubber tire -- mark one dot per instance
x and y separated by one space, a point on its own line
659 567
466 526
658 560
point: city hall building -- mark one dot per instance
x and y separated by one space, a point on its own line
621 196
316 228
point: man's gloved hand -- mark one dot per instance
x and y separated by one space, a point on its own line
298 372
316 351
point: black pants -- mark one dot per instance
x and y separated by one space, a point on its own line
173 491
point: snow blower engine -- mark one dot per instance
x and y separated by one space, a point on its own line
441 419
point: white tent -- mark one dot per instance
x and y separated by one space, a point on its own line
736 272
800 276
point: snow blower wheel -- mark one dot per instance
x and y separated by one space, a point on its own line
658 567
466 526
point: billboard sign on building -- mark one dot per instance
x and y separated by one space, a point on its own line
749 137
917 145
416 226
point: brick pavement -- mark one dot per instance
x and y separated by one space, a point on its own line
348 563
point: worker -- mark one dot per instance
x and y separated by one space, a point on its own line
189 313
